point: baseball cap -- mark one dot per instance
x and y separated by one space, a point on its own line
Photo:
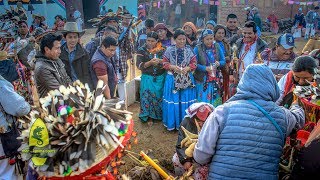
286 41
203 112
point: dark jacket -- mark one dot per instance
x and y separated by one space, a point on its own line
189 125
93 45
308 162
8 70
143 56
23 54
81 64
49 74
111 70
261 45
201 58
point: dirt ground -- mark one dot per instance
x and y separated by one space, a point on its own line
156 137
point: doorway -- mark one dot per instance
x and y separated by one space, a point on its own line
213 13
90 10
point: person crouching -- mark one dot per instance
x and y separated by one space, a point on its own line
190 127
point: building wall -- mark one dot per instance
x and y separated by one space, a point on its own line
48 10
265 8
131 5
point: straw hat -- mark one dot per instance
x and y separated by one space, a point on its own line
38 15
71 27
3 55
39 32
15 18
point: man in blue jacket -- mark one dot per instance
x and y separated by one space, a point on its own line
11 105
244 138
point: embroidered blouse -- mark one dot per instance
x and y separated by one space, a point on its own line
182 57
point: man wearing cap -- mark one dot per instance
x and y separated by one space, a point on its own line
280 59
49 71
74 56
312 18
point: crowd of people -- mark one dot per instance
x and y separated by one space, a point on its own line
221 84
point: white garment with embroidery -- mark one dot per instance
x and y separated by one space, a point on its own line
7 170
249 58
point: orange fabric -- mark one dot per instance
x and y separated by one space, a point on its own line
289 83
191 25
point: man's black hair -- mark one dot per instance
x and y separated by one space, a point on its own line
48 40
110 29
149 23
231 16
64 34
251 24
109 41
178 32
22 22
304 63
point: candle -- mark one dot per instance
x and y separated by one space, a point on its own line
154 165
213 72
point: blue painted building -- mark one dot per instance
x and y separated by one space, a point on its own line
51 8
131 5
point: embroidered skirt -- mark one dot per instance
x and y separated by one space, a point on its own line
176 102
151 92
209 94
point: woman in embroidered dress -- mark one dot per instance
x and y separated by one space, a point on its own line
149 61
210 58
191 32
165 34
179 92
219 36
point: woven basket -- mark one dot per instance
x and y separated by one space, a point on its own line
101 160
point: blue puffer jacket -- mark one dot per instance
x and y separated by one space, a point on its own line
238 140
12 105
